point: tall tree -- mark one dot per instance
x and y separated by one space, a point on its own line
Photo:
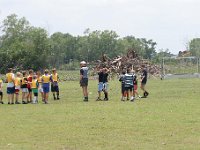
194 47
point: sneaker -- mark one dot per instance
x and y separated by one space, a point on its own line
105 99
85 100
98 99
58 98
1 102
132 99
45 102
17 103
8 103
23 102
12 103
139 96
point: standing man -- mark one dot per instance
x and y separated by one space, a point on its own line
10 79
105 83
54 84
46 79
144 81
84 79
128 80
29 78
100 84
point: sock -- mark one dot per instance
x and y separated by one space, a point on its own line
106 95
57 94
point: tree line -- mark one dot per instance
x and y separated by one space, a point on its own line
23 46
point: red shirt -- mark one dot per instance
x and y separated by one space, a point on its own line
29 80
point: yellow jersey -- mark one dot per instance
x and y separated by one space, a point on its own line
46 78
1 83
55 77
17 81
24 80
9 77
39 79
34 84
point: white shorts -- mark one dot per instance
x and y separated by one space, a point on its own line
40 89
25 90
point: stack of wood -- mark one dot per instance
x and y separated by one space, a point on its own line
130 60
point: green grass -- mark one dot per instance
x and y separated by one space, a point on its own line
168 119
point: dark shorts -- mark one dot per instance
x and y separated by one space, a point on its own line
84 82
35 94
123 88
45 87
29 90
1 93
129 88
144 82
54 88
10 90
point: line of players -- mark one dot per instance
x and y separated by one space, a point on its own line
30 83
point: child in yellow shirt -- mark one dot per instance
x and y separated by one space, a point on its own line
17 87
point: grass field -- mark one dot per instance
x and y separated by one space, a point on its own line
169 119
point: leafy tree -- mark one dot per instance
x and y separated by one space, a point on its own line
194 47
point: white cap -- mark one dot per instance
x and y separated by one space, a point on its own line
83 63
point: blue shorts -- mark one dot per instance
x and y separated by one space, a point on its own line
102 86
10 90
45 87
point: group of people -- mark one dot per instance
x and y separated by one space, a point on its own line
30 83
129 84
128 79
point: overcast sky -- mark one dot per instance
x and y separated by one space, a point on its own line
171 23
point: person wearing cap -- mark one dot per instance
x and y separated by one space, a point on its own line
84 79
54 84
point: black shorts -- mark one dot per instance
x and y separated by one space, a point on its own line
129 88
1 93
143 82
84 82
29 90
123 88
35 94
54 88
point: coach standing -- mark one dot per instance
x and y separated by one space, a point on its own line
84 79
144 81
